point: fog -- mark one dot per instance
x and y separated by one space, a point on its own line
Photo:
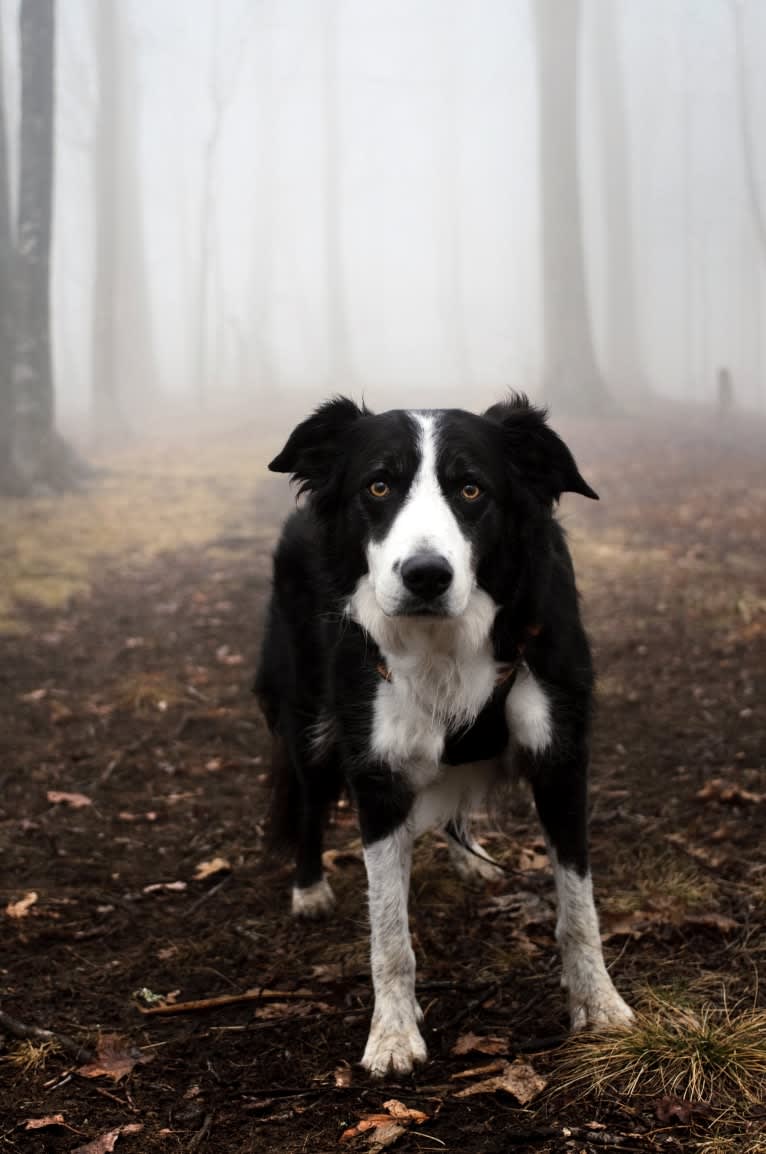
255 198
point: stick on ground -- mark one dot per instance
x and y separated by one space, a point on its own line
19 1029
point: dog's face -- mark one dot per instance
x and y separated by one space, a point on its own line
419 503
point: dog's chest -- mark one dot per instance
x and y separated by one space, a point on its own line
433 713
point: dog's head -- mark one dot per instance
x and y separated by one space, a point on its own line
425 508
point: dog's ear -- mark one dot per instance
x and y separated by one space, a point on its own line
540 456
312 448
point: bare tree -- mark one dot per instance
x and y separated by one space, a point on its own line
123 359
340 367
571 376
33 369
622 359
258 345
42 456
107 411
222 79
448 174
737 9
8 481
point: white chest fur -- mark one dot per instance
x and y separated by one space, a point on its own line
425 697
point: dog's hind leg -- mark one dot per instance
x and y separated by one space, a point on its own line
470 861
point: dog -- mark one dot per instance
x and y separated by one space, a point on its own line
423 644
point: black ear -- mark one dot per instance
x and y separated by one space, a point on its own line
312 448
539 454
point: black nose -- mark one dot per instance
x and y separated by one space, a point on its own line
427 575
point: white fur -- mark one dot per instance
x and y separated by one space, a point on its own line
425 524
395 1042
528 713
593 1000
313 901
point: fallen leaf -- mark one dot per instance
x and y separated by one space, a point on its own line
106 1142
342 1076
482 1044
404 1113
518 1078
48 1120
728 792
672 1109
206 869
35 695
75 800
385 1136
639 922
713 921
20 909
114 1059
332 858
532 858
388 1127
60 713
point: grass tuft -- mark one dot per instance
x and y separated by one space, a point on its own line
29 1057
699 1054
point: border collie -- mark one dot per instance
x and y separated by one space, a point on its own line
423 644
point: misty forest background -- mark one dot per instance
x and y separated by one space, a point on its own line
208 206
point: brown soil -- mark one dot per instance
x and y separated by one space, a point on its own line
137 696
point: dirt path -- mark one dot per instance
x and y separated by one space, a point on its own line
136 697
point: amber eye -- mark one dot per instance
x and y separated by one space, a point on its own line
379 489
470 492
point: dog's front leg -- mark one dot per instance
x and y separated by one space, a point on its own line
395 1043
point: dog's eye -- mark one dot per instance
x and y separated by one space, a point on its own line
470 492
379 489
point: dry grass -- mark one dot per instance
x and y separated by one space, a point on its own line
146 692
30 1057
699 1053
148 499
660 880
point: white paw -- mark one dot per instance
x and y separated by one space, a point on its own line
600 1009
473 867
314 901
393 1050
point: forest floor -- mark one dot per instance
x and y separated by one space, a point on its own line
133 763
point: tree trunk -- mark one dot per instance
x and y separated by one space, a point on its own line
108 419
42 457
746 127
623 362
340 370
33 369
8 480
571 377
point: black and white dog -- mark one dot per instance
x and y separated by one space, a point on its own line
423 643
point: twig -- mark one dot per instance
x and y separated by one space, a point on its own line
19 1029
230 1000
208 894
201 1134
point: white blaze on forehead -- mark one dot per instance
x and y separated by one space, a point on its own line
424 524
